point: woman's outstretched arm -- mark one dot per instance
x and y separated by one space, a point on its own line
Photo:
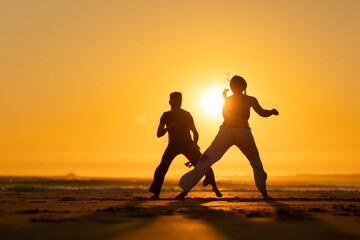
262 112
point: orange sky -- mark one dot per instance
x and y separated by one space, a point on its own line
84 83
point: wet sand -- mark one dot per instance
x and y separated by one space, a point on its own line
244 215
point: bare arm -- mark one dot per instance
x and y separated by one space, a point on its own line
263 112
161 130
195 133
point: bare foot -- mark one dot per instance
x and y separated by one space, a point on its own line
216 191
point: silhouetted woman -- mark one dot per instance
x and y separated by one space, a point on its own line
235 130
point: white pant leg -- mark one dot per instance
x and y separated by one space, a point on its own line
190 179
222 142
246 143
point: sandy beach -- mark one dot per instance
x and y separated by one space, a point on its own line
237 215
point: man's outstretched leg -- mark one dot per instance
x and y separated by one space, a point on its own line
208 180
161 171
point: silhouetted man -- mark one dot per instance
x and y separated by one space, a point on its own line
178 123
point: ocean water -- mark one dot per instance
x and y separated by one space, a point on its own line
83 184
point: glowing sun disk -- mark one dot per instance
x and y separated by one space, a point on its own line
212 101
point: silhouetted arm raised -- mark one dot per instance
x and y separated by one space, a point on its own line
224 94
262 112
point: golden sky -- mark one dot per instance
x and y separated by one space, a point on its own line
83 83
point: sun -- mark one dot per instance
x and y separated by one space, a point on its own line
212 101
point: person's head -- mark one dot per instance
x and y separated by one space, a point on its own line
175 100
238 84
